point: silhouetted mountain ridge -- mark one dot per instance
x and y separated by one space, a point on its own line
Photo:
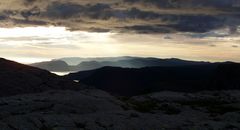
73 61
54 65
189 78
17 78
126 62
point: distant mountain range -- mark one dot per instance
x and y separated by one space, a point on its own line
62 65
17 78
54 65
189 78
133 79
77 60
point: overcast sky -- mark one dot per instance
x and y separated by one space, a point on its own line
37 30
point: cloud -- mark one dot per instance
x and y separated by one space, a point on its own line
220 4
137 16
235 46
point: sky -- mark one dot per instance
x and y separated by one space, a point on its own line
39 30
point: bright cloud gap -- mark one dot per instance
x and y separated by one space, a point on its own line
34 44
31 44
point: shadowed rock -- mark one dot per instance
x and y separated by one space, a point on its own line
97 110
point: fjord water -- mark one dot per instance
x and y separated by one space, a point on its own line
62 73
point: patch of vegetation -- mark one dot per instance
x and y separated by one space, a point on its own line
46 128
134 115
201 103
222 109
228 127
123 98
149 106
212 106
169 109
144 106
80 125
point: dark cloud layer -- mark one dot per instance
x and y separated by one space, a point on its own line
187 3
139 16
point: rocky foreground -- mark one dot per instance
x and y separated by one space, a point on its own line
35 99
94 109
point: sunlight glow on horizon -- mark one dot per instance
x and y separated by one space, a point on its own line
28 60
35 44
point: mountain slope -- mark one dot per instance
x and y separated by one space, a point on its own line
17 78
77 60
54 65
126 62
149 62
125 81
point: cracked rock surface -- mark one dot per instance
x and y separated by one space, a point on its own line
94 109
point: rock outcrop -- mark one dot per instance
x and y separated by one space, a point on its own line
97 110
